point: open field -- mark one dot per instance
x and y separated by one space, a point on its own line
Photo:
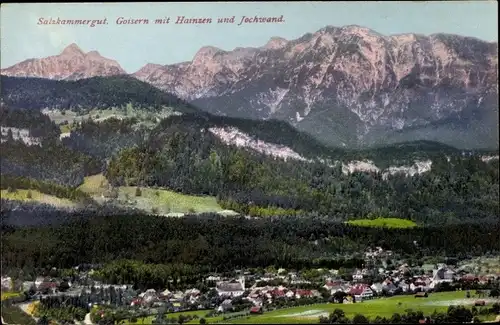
7 295
36 196
14 315
384 307
384 223
199 313
101 114
163 201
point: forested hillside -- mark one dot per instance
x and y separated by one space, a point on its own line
51 162
105 138
84 94
38 124
282 133
192 160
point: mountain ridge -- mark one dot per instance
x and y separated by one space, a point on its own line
71 64
350 86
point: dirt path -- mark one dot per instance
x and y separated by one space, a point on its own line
87 320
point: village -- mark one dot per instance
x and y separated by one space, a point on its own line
245 292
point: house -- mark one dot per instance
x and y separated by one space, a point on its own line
177 296
377 287
233 288
332 284
225 306
149 297
39 280
388 286
362 291
277 293
166 294
7 283
301 293
442 274
404 286
213 278
357 276
136 302
29 285
469 278
192 293
48 287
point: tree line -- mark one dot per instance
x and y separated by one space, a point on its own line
222 243
91 93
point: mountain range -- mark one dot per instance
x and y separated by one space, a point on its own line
347 86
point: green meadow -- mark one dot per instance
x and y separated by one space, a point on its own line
160 201
36 196
384 307
383 223
199 313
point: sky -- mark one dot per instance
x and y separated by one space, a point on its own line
135 45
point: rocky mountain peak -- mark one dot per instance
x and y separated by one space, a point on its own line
276 43
72 63
366 85
207 52
72 50
146 70
94 54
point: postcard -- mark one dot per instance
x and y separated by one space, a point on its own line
250 162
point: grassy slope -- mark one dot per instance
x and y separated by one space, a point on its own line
14 315
384 222
384 307
7 295
164 201
36 196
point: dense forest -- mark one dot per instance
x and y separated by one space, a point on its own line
92 93
37 123
183 155
224 243
192 160
282 133
106 138
52 162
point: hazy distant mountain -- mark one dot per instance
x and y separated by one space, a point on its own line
71 64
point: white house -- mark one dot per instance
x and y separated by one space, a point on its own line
7 283
225 306
357 276
404 286
377 287
233 288
442 274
